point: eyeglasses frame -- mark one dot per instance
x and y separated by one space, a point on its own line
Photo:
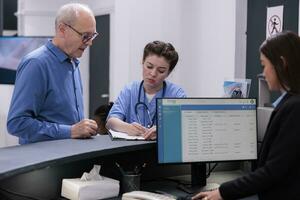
85 37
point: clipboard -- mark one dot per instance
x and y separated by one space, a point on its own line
115 135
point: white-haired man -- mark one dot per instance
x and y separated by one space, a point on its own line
47 102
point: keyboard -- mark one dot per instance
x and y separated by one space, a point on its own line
144 195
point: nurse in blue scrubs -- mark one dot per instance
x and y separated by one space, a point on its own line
134 111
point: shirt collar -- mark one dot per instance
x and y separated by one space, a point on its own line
275 103
61 56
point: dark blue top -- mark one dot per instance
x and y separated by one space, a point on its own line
47 97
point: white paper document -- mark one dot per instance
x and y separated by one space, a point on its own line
120 135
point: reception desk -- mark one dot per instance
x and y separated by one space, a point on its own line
36 170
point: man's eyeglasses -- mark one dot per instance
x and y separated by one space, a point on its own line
84 36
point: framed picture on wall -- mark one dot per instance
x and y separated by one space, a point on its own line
12 50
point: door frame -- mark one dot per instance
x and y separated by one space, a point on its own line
109 10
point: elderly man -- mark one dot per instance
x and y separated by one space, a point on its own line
47 102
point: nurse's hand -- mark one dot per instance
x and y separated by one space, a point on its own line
150 134
136 129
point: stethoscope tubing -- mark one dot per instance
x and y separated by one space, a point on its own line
140 103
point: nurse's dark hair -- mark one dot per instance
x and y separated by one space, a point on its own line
162 49
283 51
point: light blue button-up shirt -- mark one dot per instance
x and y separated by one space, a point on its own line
47 97
124 106
275 103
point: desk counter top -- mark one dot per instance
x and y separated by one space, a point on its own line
24 158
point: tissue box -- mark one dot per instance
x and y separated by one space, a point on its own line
76 189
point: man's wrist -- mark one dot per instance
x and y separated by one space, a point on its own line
64 131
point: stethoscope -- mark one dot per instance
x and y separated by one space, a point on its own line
140 103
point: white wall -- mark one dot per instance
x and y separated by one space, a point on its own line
5 96
208 49
208 34
137 23
240 38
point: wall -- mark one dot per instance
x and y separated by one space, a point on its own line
5 96
134 28
210 43
206 33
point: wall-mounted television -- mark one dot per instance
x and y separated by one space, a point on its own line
12 50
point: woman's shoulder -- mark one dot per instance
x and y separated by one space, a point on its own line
292 103
174 89
172 85
131 87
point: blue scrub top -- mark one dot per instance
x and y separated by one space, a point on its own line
124 106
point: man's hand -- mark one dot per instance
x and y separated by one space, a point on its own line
150 134
84 129
136 129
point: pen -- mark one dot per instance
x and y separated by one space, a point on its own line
138 170
143 166
120 168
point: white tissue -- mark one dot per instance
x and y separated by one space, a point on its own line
75 189
94 174
90 186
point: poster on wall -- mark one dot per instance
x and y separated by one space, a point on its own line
12 50
274 21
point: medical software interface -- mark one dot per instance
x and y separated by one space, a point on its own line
206 130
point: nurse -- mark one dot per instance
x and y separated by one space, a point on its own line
134 111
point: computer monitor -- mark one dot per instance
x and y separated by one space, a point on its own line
201 130
12 50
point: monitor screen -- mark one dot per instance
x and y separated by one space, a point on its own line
206 130
12 50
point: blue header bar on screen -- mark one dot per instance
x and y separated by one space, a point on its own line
218 107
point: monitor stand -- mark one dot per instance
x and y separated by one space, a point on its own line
198 180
